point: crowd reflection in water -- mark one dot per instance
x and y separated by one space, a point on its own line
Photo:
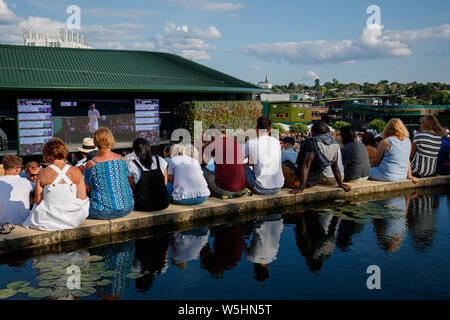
226 251
263 249
220 248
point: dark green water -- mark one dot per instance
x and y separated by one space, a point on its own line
291 254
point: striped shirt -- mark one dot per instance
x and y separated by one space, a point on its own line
424 161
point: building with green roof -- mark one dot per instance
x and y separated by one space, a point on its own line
111 78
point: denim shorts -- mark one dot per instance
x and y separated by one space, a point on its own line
108 214
251 181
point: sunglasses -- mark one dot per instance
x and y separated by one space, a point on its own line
33 174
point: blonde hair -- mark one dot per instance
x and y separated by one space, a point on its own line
181 149
395 127
430 122
103 139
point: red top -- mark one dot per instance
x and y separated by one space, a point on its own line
229 168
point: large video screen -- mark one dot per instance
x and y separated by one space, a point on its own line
72 120
34 124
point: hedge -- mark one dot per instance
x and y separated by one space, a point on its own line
233 114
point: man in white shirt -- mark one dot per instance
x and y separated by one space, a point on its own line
93 115
14 192
264 156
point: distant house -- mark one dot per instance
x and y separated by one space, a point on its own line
352 90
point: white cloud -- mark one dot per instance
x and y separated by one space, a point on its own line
96 36
143 46
206 5
255 68
372 44
126 14
312 75
184 31
186 41
6 15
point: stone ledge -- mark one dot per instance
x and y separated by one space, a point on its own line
22 238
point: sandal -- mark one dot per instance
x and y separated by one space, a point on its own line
6 228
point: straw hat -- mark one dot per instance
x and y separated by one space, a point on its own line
88 145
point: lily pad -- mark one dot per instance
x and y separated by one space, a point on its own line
26 289
45 265
339 201
49 275
134 275
88 284
7 293
91 277
93 258
108 273
89 290
17 285
40 293
103 282
59 293
81 293
47 283
97 265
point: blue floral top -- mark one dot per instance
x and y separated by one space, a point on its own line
110 188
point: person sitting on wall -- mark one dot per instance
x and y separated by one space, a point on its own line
187 184
327 177
316 153
391 162
31 172
288 153
147 175
228 180
443 160
60 195
264 156
368 139
354 157
106 179
425 147
88 152
15 193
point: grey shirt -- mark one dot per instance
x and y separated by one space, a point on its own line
355 160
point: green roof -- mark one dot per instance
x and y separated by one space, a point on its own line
44 68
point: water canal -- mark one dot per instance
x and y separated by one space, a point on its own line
316 251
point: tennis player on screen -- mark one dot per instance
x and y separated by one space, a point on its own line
93 115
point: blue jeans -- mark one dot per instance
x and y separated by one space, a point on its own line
187 202
108 214
251 181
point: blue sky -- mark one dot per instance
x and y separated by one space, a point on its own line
292 40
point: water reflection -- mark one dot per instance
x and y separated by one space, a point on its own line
346 231
186 246
218 249
118 257
226 252
152 256
263 249
315 237
420 219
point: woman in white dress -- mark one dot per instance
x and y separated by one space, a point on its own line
60 195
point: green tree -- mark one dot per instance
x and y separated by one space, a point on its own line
377 125
298 128
278 127
338 125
